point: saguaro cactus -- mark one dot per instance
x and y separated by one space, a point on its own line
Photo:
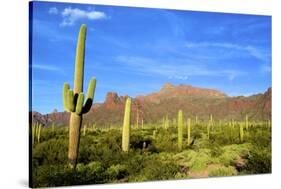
126 126
208 129
166 122
180 128
241 133
73 100
188 131
246 122
39 132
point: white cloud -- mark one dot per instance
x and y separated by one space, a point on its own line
180 69
71 15
53 10
45 67
250 50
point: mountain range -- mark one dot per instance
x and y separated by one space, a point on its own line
166 102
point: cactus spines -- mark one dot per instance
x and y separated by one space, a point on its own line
241 132
246 122
73 100
126 127
188 131
180 128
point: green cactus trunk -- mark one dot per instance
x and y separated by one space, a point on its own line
137 118
246 122
126 127
34 127
180 129
208 129
166 122
241 133
53 127
196 119
73 100
39 133
188 131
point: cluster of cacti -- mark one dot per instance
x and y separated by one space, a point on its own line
36 132
73 100
180 130
126 126
188 131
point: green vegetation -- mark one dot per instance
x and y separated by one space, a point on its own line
153 154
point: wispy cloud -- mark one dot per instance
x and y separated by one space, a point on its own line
53 10
71 15
45 67
250 50
180 69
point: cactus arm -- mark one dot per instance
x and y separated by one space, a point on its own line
79 105
79 62
90 95
65 95
70 101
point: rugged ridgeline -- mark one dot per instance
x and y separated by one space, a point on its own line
153 107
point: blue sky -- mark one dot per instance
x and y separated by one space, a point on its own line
135 51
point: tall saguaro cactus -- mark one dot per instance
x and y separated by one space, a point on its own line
73 100
180 128
188 131
241 132
246 122
126 127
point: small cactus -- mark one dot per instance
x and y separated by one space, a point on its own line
180 128
126 127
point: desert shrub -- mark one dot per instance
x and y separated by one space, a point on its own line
259 160
116 172
53 151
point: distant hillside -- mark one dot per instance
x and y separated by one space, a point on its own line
167 101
